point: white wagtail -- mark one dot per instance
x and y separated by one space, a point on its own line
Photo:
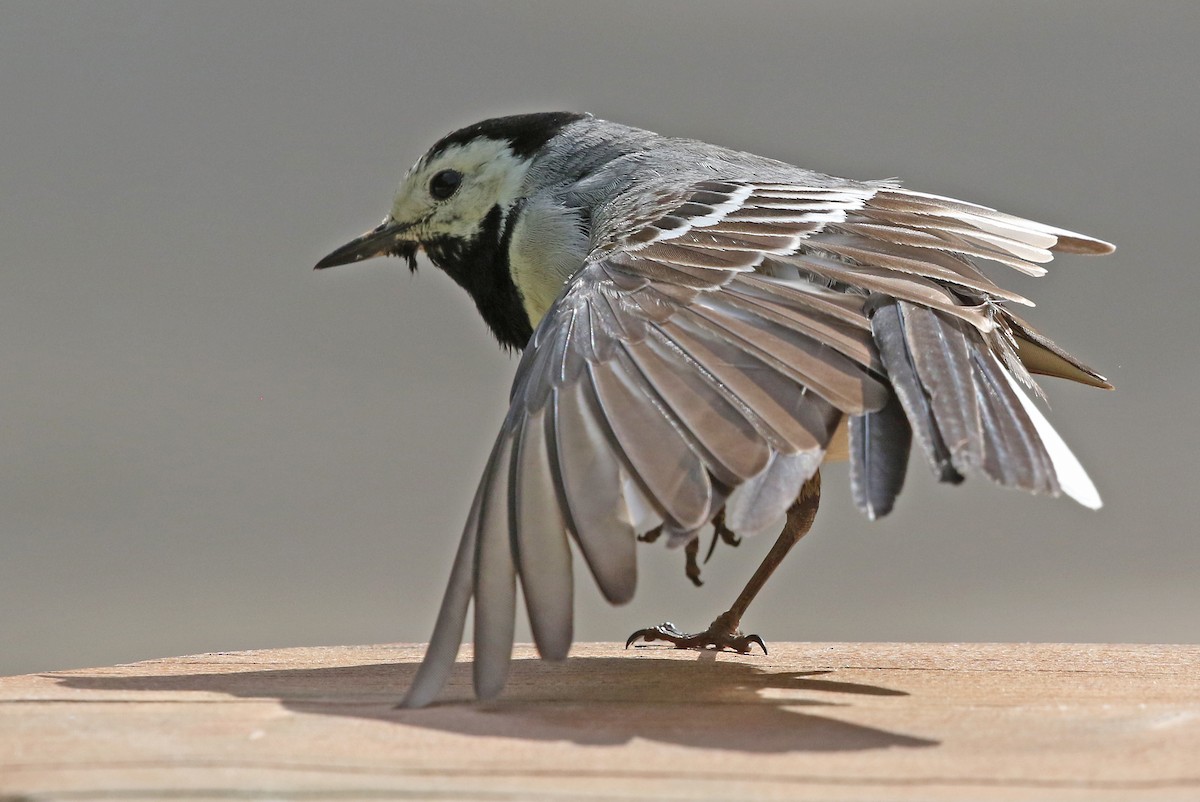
701 329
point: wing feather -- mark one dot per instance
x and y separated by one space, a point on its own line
918 289
987 219
902 255
589 476
735 448
790 418
852 342
539 531
659 456
495 579
793 354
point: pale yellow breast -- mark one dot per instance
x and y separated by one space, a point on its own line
548 246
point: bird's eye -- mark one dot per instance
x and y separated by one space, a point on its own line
444 183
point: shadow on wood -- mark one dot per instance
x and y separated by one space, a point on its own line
700 703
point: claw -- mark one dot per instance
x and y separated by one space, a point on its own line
712 639
721 533
743 643
664 631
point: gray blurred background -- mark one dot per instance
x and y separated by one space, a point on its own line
206 446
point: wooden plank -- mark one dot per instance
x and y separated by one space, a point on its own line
840 721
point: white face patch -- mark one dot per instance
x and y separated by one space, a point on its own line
491 176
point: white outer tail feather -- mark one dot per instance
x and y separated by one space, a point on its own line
1072 478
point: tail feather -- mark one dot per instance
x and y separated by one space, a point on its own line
879 447
887 326
1072 478
966 409
941 353
1014 454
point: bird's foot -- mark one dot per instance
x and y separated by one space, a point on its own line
719 637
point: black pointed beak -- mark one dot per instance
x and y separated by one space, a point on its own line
384 240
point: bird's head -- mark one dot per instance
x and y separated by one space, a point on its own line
455 202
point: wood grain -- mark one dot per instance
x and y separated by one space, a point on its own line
840 721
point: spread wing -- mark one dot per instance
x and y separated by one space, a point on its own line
702 359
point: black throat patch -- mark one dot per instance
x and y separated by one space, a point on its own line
480 266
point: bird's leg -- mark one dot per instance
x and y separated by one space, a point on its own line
725 632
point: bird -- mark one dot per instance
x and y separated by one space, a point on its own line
700 329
